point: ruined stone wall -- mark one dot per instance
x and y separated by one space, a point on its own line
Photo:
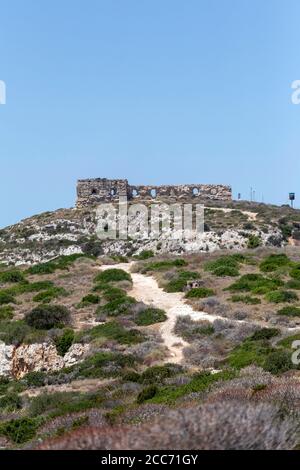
94 191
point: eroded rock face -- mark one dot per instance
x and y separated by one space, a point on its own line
18 361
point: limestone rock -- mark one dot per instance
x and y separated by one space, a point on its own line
43 357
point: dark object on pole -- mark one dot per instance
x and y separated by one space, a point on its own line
292 197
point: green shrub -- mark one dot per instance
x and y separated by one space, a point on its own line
278 362
62 262
131 376
101 286
166 264
46 402
13 332
264 333
78 403
42 268
179 283
290 311
90 299
156 374
145 254
64 341
293 284
11 402
104 364
253 241
113 275
246 299
45 317
147 393
20 430
65 261
280 296
37 286
199 293
114 331
119 306
62 403
229 271
11 276
255 283
199 383
295 272
273 262
192 331
6 312
112 293
286 230
248 353
225 265
35 379
50 294
6 298
150 316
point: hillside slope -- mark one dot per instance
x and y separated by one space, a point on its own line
234 225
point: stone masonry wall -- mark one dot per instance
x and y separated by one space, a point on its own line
95 191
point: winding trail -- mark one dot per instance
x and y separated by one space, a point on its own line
145 289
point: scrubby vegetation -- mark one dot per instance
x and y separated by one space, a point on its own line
150 315
272 262
178 284
164 265
246 299
225 265
199 293
112 275
290 311
45 317
230 361
281 296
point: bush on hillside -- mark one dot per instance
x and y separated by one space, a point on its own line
45 317
279 296
113 275
290 311
199 293
273 262
149 316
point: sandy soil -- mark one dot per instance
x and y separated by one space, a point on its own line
250 215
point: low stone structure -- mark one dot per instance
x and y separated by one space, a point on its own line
94 191
194 284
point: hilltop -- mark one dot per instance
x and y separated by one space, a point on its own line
228 225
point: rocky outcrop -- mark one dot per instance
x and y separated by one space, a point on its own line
43 357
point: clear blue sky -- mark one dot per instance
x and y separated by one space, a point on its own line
158 91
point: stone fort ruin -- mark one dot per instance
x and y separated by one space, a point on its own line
95 191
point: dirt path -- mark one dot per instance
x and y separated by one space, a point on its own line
145 289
